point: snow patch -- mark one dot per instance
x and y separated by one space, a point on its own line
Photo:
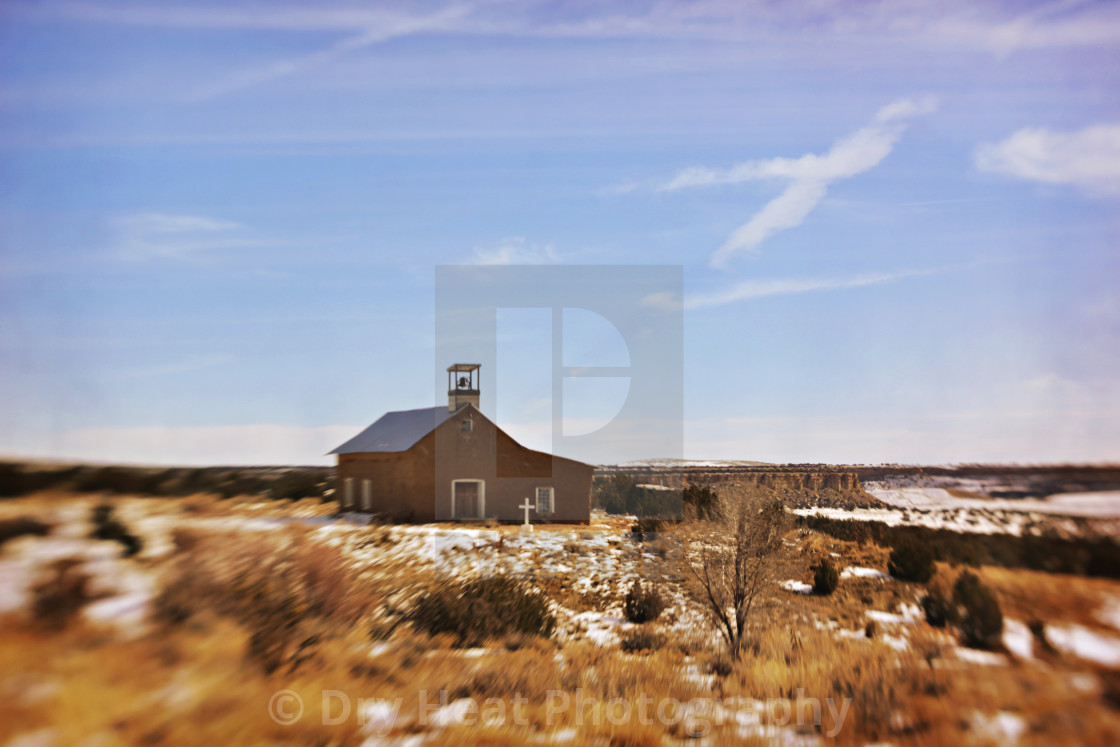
455 713
601 628
1017 638
983 658
855 571
797 587
1109 612
378 716
38 738
1084 643
1089 504
563 735
888 618
127 590
1002 728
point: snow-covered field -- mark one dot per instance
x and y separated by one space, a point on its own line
937 508
1103 504
600 563
688 463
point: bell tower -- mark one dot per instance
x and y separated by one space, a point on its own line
462 385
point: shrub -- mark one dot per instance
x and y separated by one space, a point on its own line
613 493
848 530
289 594
940 610
643 604
645 529
911 560
825 577
704 501
106 526
1038 631
57 600
22 526
861 534
662 503
478 610
120 480
641 639
981 623
297 485
17 480
871 629
721 665
236 485
619 494
1104 558
1078 556
273 614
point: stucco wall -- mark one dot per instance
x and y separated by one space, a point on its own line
416 484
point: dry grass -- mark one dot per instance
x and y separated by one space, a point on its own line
561 590
1050 597
191 681
291 593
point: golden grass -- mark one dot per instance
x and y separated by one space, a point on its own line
1050 597
192 683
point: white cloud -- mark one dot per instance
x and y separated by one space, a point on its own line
992 27
787 210
146 236
1047 26
164 223
1088 159
378 28
907 109
515 251
751 289
953 24
282 16
810 175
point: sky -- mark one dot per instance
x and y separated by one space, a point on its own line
897 222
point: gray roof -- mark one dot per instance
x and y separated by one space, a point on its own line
397 431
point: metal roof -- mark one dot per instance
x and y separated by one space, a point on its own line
397 431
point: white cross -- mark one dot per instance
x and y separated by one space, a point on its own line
526 505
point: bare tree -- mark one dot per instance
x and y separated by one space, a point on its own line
731 555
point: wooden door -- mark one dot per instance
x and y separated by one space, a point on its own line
466 500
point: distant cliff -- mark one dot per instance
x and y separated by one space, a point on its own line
799 487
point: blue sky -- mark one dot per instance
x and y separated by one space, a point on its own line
219 222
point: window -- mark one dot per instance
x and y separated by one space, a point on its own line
367 497
348 492
544 500
467 426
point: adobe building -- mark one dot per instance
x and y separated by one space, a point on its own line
453 464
